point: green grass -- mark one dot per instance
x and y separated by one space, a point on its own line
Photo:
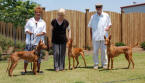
80 75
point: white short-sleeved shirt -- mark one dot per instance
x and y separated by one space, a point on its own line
98 25
35 28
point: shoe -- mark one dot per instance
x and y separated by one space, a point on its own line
39 71
57 70
105 66
95 66
23 73
62 70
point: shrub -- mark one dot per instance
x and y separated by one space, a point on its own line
120 44
50 52
0 55
88 48
43 53
142 45
6 42
20 44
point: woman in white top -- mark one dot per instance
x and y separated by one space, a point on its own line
35 30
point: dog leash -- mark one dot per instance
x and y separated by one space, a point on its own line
30 48
31 45
34 40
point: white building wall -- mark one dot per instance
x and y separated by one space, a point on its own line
134 9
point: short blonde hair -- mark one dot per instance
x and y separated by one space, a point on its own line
38 9
61 11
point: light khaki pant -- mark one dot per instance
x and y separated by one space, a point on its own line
96 46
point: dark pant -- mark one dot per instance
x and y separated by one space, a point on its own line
59 56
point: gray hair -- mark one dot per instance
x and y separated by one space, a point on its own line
61 11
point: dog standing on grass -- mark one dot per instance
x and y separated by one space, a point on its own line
74 53
30 56
113 51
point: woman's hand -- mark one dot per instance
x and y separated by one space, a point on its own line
40 34
29 32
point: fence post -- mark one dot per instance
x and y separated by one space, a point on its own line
43 12
121 25
86 25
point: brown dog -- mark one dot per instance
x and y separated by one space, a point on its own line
31 56
74 53
113 51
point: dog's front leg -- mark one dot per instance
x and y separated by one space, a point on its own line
69 62
35 67
73 62
111 63
108 62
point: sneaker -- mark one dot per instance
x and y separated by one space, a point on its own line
95 66
105 66
57 69
23 73
39 71
61 70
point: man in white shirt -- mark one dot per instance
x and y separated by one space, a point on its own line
99 24
35 30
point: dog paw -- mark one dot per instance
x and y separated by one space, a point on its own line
35 73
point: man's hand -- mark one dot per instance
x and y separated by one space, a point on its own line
40 34
107 28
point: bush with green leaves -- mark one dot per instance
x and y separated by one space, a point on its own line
0 55
20 44
50 52
142 45
88 48
120 44
6 42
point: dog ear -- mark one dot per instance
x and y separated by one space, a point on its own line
104 37
109 37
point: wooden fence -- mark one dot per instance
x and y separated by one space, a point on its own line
8 30
127 28
133 28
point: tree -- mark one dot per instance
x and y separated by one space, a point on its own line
16 12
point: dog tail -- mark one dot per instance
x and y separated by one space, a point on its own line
134 45
8 64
